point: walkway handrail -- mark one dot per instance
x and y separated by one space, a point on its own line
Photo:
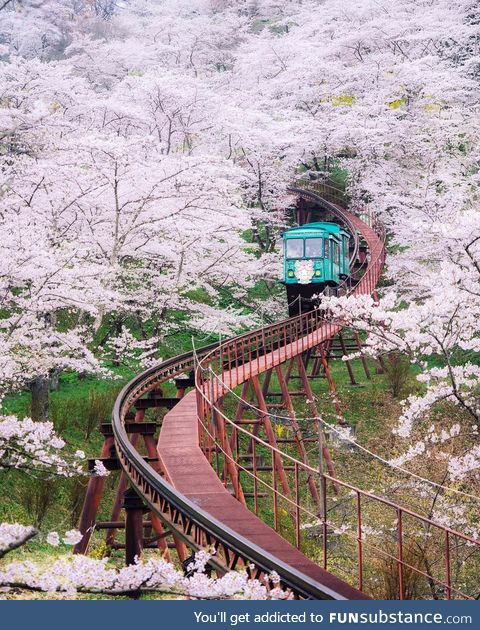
164 499
152 486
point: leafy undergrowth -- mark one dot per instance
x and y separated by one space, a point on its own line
76 409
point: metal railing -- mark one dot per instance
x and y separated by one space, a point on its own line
190 523
444 542
238 360
219 368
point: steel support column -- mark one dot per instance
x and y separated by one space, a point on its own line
134 509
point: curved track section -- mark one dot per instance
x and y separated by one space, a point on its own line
185 492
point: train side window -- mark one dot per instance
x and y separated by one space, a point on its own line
313 247
327 248
294 248
336 252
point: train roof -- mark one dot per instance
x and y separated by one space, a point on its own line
309 229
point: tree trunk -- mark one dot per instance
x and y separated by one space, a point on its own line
40 391
55 381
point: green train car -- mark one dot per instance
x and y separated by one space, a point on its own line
316 256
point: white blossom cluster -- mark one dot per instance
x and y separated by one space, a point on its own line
35 446
433 328
14 535
72 574
420 447
72 537
460 466
99 469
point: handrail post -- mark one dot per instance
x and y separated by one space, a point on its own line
359 542
222 367
401 584
448 575
255 478
213 424
243 358
274 484
323 503
322 487
257 345
297 507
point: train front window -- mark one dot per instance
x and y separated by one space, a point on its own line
314 247
294 248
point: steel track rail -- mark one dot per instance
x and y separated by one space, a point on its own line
170 505
180 514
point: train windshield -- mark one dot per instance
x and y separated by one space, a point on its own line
294 247
314 247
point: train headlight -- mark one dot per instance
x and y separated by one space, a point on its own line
318 273
291 274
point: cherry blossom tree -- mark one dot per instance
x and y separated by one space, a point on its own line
120 212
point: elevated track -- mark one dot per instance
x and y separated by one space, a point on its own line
206 482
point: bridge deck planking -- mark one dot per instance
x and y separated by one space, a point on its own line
191 474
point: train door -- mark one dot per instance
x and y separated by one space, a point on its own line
336 261
327 260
